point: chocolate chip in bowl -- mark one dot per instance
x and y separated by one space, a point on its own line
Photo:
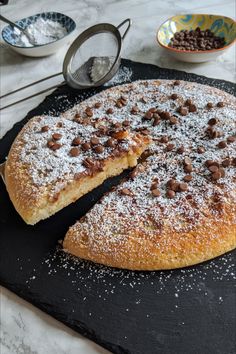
196 38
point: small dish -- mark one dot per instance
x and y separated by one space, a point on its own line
42 49
221 26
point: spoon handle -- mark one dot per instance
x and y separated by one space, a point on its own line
4 19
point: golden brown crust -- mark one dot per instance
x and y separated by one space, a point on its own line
142 230
174 250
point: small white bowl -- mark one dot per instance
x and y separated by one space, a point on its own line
221 26
43 49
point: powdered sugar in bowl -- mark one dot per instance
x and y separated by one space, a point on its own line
49 31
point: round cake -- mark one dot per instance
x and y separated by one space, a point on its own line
178 206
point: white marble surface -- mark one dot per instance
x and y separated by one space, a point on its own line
25 329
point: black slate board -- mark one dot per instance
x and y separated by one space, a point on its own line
171 312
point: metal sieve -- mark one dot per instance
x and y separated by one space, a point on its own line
91 60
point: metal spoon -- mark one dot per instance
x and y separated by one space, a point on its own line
4 19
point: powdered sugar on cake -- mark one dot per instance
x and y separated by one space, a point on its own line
182 143
206 192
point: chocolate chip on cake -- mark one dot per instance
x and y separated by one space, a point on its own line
86 121
164 139
55 146
134 173
56 136
182 110
153 110
98 105
188 178
170 194
170 147
138 169
111 142
212 121
110 111
144 99
76 141
200 149
145 132
126 123
188 168
148 115
156 120
176 83
220 104
89 112
123 100
213 168
94 140
187 160
208 163
102 130
98 148
173 185
222 172
45 128
173 120
77 118
119 104
209 105
231 139
188 102
180 150
155 180
174 96
117 125
234 161
156 116
85 146
222 144
183 187
171 182
134 110
50 143
226 163
120 134
156 192
216 175
154 185
192 108
74 152
165 115
212 134
126 191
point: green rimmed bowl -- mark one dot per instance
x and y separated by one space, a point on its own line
222 26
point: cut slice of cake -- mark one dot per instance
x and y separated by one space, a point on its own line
54 161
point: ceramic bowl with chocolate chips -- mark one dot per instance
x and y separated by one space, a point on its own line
197 37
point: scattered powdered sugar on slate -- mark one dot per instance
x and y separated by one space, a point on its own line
86 276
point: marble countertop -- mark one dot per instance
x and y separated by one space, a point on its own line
23 326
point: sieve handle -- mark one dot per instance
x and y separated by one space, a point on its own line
128 20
